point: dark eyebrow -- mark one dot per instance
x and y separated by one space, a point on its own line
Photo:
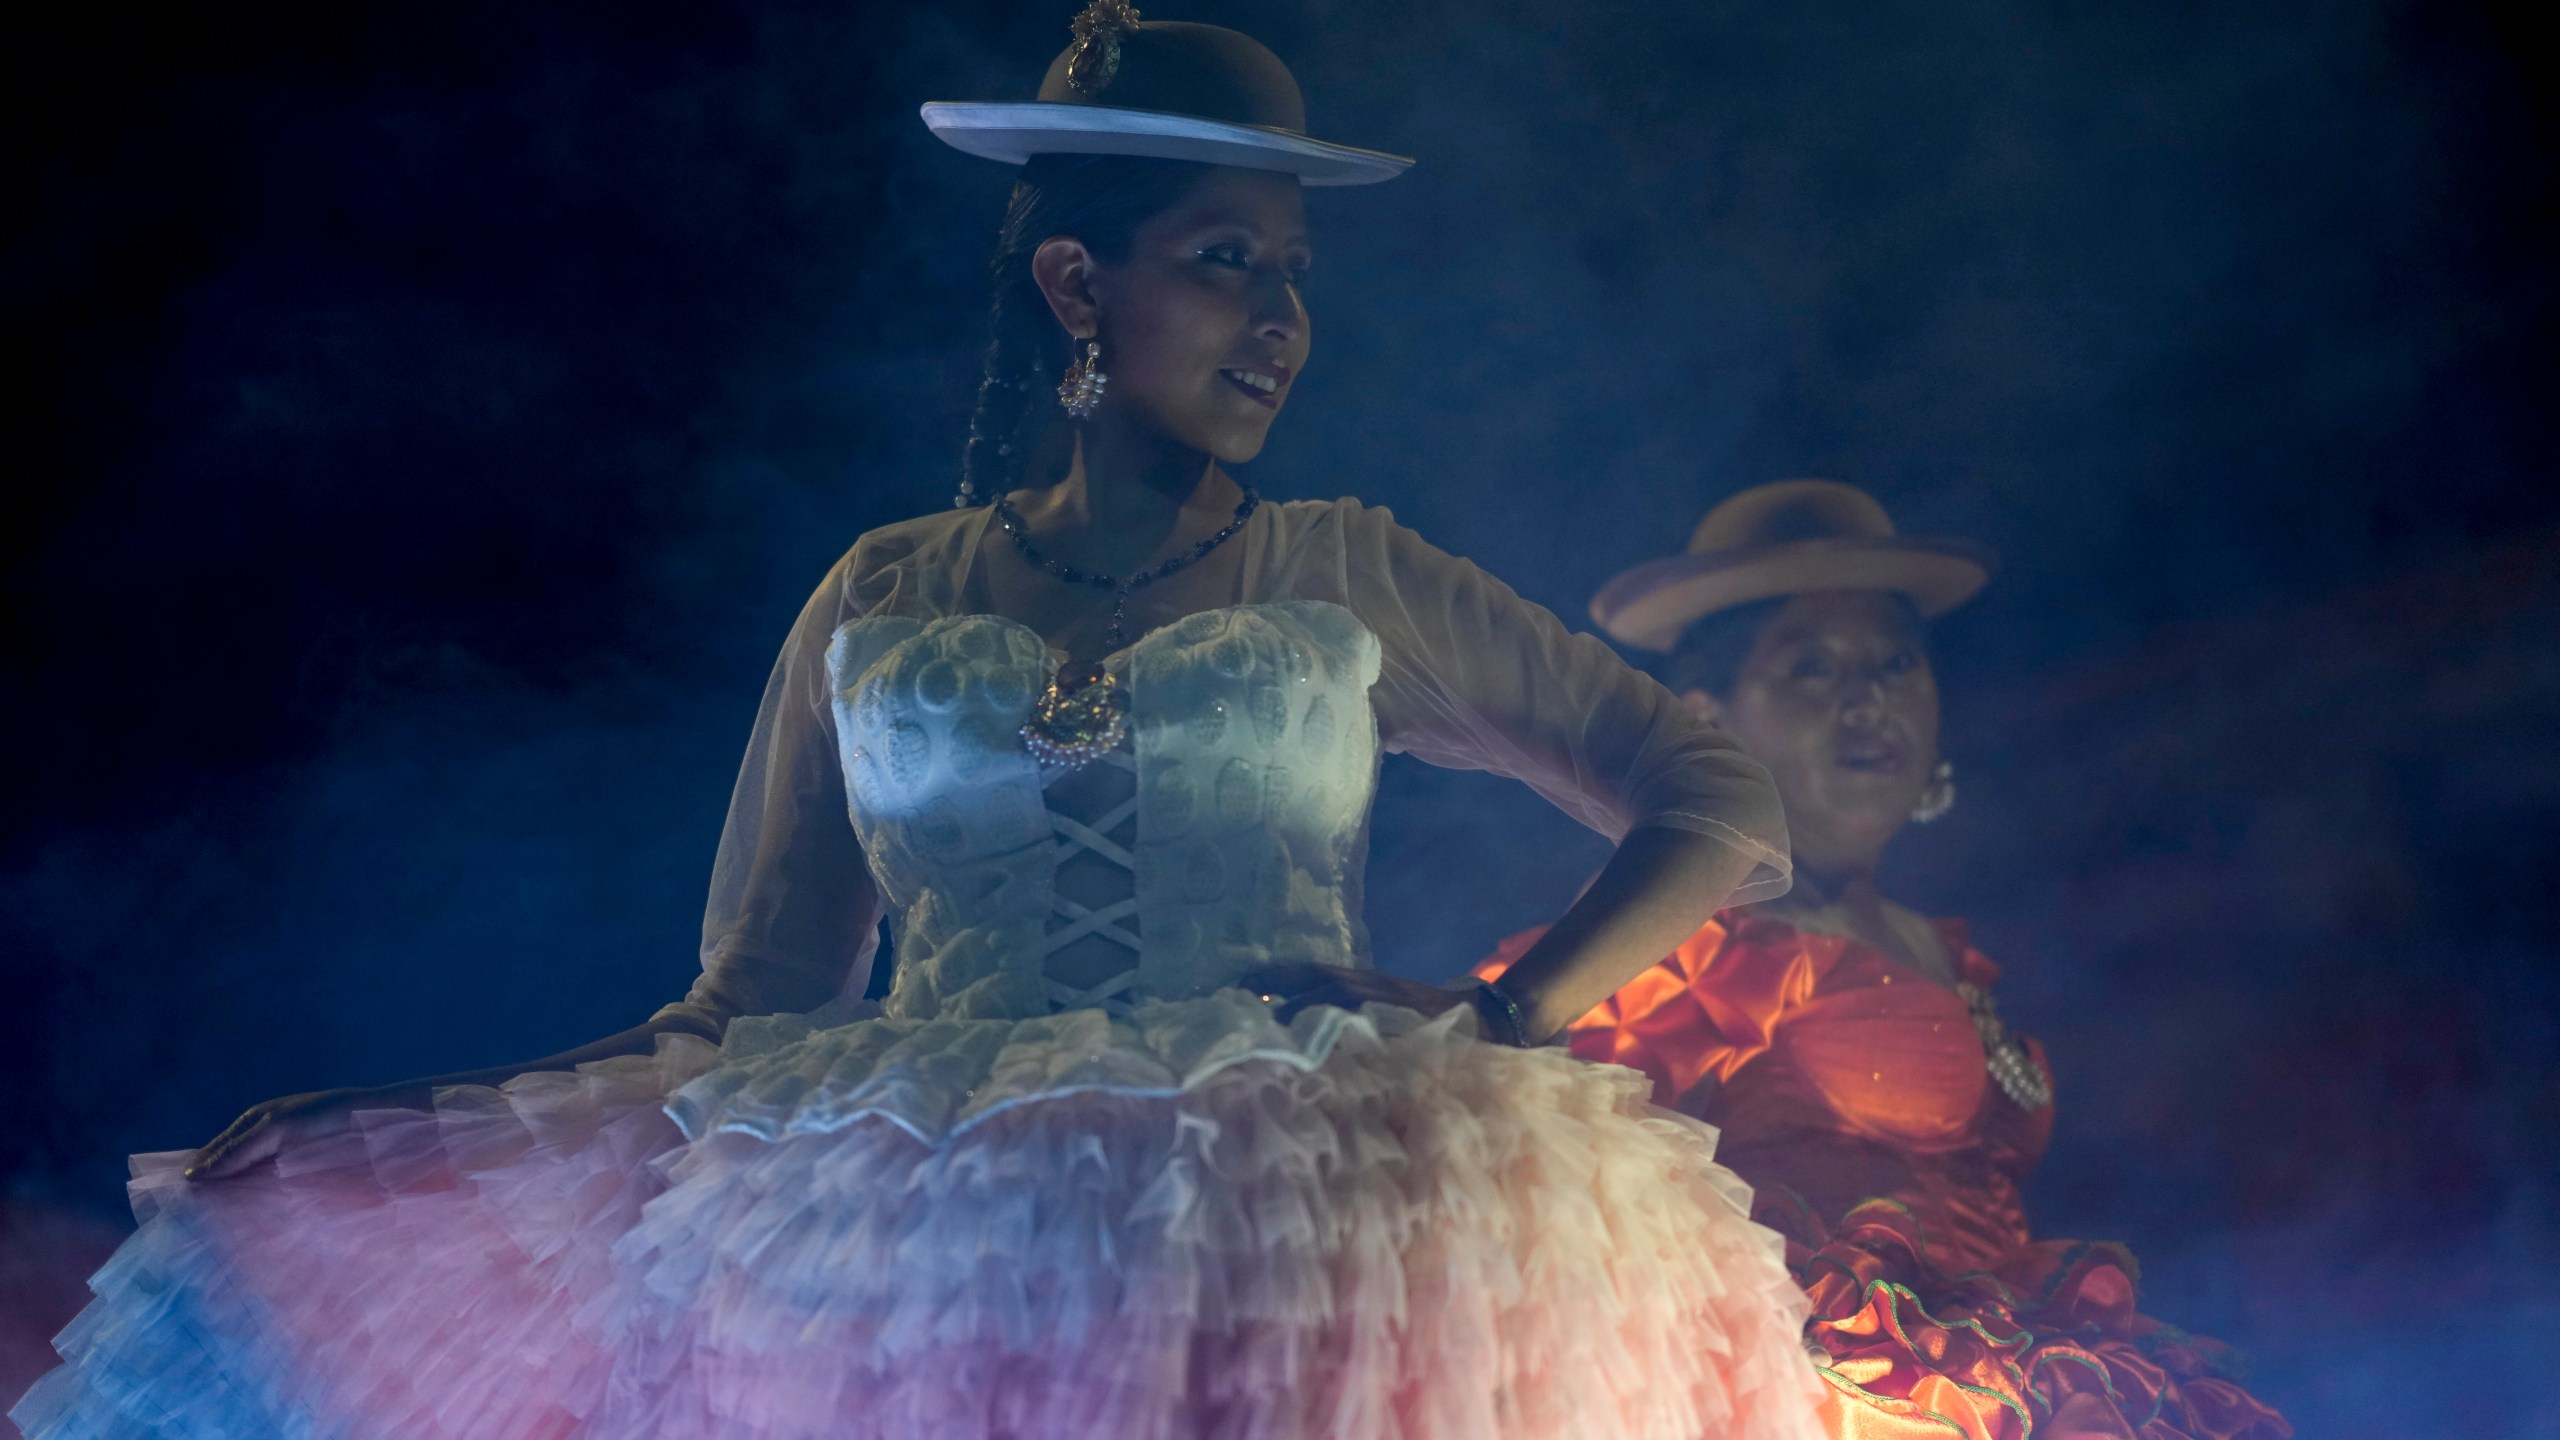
1298 240
1229 219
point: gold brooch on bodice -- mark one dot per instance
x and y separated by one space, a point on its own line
1081 717
2007 1060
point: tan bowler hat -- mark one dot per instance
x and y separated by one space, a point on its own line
1784 539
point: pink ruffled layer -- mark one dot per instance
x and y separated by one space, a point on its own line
1422 1237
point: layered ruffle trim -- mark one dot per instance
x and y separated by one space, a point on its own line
421 1274
817 1073
2047 1342
1194 1224
1385 1230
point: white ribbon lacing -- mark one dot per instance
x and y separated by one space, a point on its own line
1076 836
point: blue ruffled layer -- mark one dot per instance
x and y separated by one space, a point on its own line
170 1351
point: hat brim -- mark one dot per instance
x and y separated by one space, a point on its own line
1650 606
1014 132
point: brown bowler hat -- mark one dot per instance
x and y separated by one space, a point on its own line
1784 539
1165 90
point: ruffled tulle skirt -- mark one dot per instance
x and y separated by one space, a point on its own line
2045 1341
1185 1223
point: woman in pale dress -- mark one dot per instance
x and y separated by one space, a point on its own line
1139 1145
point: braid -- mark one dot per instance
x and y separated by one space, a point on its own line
998 446
1101 200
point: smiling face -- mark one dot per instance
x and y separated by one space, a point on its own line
1838 699
1202 329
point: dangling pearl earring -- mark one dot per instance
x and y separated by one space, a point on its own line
1081 392
1940 797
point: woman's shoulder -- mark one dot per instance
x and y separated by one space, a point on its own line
913 559
918 534
1296 519
1311 510
1347 515
1366 542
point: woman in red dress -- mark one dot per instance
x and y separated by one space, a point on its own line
1847 1047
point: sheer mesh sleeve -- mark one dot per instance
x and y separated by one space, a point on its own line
1476 678
793 918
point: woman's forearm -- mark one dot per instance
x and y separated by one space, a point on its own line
1654 893
264 1128
638 1040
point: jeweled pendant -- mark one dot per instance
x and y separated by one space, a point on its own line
1081 717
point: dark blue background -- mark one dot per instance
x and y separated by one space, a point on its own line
429 416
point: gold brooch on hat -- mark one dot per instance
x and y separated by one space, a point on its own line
1095 57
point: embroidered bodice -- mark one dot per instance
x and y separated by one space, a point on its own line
1254 752
886 775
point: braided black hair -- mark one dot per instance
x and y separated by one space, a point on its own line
1100 200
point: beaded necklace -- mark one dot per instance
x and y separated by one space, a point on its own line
1120 589
2006 1058
1084 713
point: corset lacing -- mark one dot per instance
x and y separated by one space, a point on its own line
1079 920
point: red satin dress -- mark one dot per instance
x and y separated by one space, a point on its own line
1855 1099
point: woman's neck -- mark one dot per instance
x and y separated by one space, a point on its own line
1851 887
1128 472
1124 496
1845 900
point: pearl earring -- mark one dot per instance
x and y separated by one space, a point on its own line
1940 797
1081 392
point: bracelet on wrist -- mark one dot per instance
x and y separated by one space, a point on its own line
1505 1023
